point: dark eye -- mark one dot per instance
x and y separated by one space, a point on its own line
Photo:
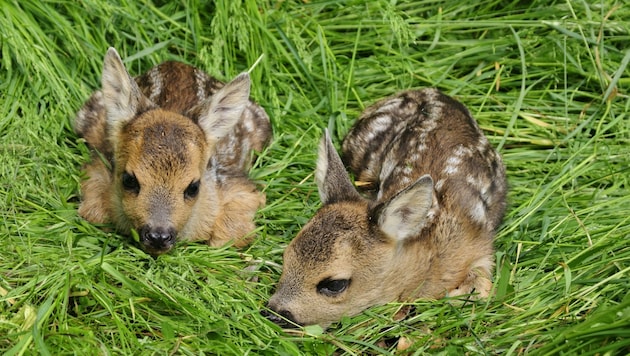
192 190
332 287
130 183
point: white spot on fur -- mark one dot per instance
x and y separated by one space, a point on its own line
248 124
435 105
386 170
452 165
430 124
391 104
454 161
380 124
200 80
439 185
479 185
473 181
478 212
156 83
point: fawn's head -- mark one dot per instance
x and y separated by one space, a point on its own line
346 257
160 157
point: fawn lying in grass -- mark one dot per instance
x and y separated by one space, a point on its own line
435 197
171 151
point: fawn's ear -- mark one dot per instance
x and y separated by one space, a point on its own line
333 182
405 214
122 97
221 111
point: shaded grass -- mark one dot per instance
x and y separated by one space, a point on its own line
547 81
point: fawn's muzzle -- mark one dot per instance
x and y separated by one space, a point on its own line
282 318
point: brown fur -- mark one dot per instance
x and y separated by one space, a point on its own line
172 129
436 193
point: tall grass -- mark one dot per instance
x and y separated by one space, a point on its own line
548 82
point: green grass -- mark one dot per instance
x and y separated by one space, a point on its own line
548 81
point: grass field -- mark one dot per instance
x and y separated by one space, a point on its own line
548 81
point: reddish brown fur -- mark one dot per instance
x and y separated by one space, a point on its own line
166 129
437 195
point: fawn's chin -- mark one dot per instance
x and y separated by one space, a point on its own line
155 251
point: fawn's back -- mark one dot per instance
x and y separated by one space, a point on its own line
399 139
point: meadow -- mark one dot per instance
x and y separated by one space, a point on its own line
548 81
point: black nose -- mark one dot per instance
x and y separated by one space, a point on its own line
159 239
282 318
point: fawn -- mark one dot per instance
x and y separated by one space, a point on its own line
171 151
433 193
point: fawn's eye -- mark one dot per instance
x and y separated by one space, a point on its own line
192 190
130 183
332 287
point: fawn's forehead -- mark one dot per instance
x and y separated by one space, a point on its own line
333 225
163 138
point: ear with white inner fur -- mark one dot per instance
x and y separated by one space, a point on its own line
405 214
223 110
332 180
122 97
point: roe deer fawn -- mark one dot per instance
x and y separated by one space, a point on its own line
433 197
171 151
